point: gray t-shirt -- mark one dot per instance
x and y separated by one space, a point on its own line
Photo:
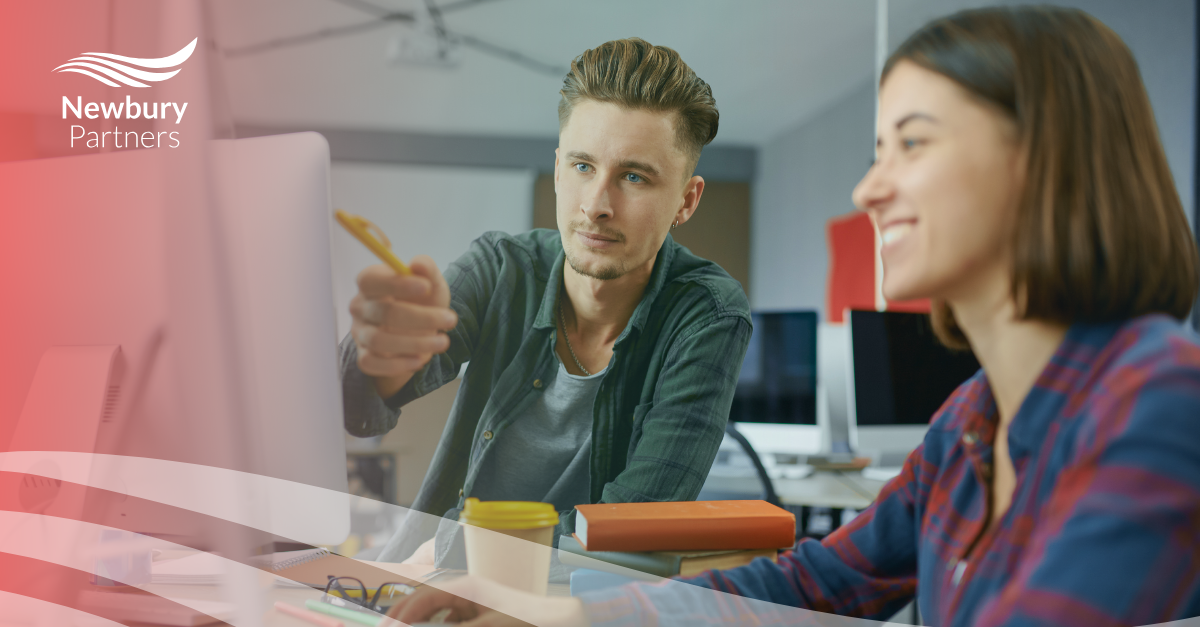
545 454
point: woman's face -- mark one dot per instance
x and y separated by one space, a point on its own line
943 190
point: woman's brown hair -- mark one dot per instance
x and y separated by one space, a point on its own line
1100 232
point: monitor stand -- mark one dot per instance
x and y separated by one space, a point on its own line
74 390
887 445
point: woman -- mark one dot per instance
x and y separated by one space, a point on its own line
1020 184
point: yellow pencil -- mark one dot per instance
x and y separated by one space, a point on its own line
373 238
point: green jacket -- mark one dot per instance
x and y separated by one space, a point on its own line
662 406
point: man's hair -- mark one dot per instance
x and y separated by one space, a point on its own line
636 75
1100 232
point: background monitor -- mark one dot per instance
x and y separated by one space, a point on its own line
901 376
775 404
778 381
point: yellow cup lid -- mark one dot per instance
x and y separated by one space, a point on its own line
508 514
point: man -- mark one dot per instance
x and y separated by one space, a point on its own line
603 358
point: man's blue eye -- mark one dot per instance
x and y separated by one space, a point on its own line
633 178
582 167
910 143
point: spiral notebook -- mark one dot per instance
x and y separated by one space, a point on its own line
310 567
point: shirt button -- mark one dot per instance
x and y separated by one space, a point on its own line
970 438
537 383
487 435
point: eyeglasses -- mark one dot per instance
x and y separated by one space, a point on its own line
350 590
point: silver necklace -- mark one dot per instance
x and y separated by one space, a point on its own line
563 318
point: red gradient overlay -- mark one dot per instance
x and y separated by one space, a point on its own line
61 585
55 217
94 252
100 506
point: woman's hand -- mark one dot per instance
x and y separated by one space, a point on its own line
477 602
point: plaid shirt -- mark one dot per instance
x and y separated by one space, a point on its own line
1104 526
662 406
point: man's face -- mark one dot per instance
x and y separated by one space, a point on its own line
620 181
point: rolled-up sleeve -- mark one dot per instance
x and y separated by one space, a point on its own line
365 413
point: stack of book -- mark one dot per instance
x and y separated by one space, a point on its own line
651 540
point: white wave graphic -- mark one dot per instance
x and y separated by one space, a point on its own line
119 68
285 508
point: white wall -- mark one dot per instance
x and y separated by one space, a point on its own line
435 211
804 178
805 175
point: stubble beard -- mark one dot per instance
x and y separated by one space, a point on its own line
605 272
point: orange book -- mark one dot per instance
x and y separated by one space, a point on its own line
684 526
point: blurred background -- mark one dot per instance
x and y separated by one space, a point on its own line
441 116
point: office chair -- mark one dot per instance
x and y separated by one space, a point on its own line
768 488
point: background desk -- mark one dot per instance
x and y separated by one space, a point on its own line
837 490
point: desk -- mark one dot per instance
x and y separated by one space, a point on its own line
295 595
836 489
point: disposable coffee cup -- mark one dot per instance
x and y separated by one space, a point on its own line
509 542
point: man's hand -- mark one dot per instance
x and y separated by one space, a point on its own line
397 322
477 602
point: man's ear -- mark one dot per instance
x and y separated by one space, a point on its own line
692 190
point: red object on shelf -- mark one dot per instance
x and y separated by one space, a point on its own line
852 280
851 283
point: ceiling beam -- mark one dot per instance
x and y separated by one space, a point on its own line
718 163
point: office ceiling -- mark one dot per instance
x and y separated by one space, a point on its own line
772 63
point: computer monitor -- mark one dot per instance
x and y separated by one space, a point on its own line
901 376
125 315
775 404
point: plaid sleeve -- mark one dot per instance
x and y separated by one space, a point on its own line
1120 544
365 413
684 426
866 569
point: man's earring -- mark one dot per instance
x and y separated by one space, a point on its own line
673 226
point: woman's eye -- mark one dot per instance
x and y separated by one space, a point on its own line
633 178
909 144
582 167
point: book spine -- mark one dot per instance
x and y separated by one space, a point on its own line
692 535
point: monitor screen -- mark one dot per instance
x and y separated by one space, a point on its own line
902 374
778 381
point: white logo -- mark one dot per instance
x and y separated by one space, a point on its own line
113 66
